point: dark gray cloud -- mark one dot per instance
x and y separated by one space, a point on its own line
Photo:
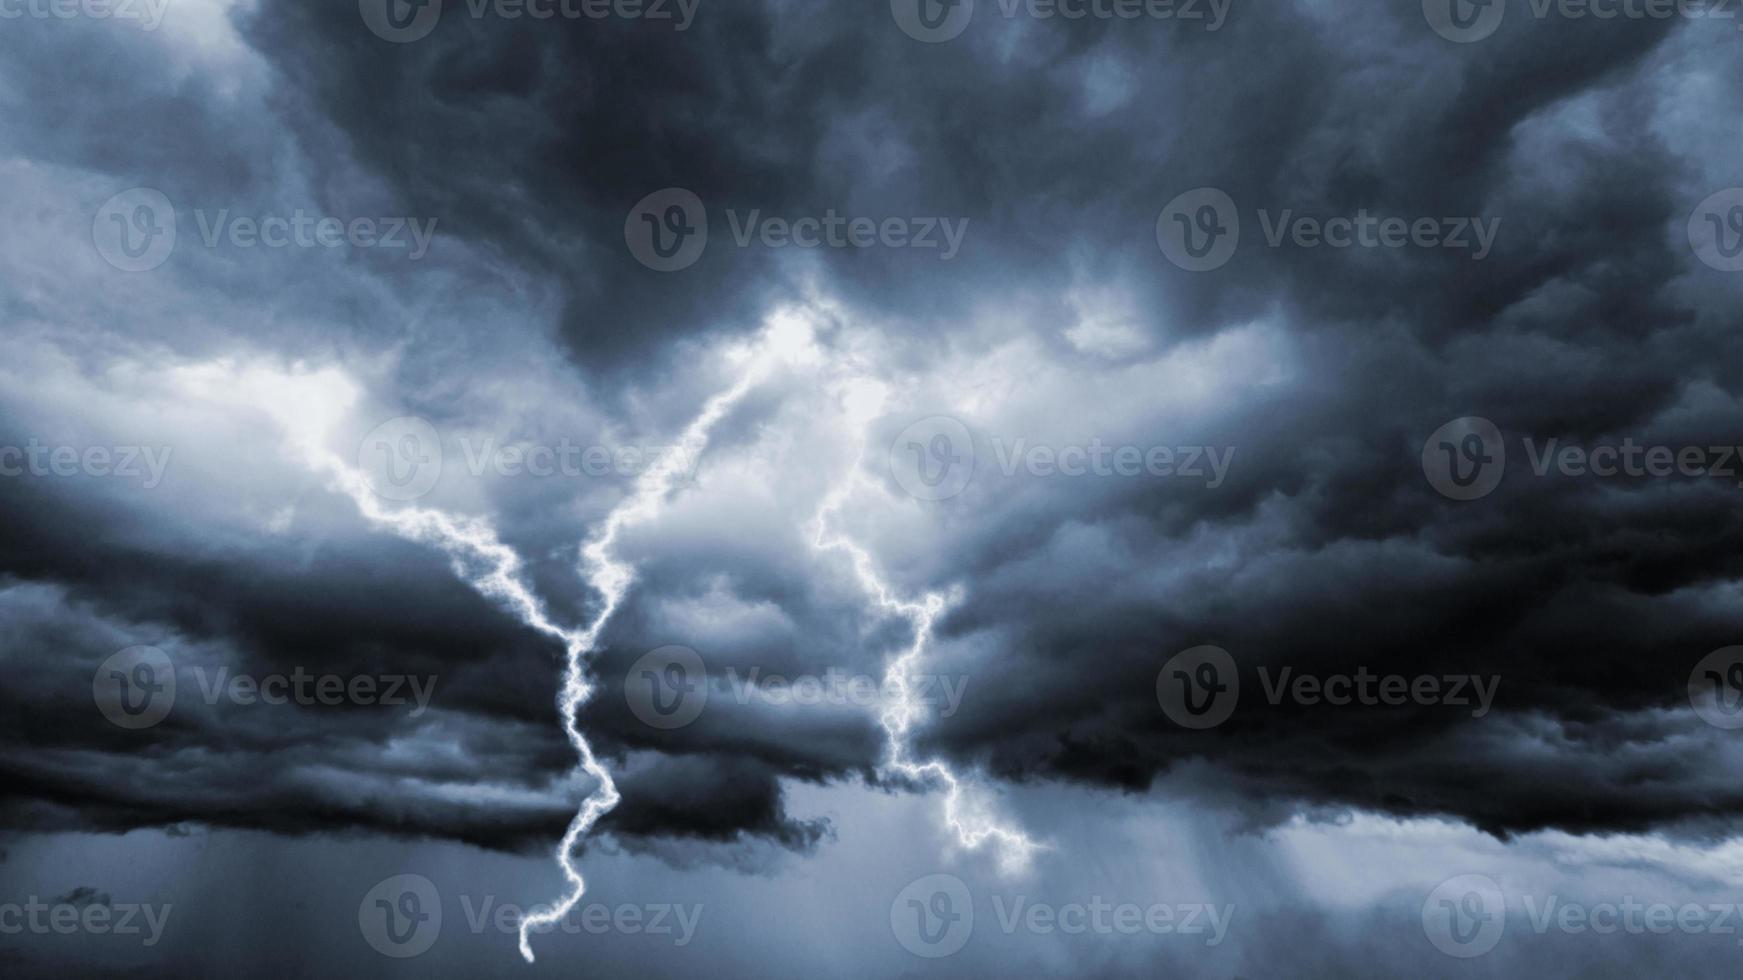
1322 549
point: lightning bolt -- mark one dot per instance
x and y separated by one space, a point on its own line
786 337
973 827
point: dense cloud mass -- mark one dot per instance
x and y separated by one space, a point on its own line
1255 443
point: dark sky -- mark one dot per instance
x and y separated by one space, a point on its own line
1304 382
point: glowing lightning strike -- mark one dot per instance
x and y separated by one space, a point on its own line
785 338
899 718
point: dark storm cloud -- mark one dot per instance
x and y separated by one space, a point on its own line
1326 550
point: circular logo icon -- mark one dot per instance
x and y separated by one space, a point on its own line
667 688
933 459
1465 916
1464 21
1199 230
933 917
668 230
400 21
1199 688
1716 688
1465 458
401 458
1716 230
932 21
135 688
135 231
402 916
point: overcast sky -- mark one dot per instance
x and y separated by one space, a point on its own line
1315 420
